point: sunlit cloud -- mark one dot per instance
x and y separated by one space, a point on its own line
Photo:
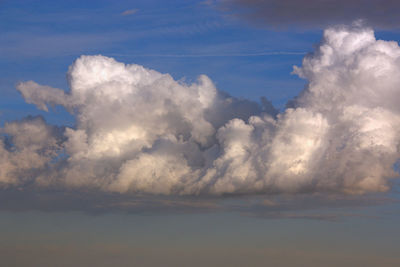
140 131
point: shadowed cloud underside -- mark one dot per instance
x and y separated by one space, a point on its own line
381 14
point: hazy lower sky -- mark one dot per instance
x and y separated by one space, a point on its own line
199 133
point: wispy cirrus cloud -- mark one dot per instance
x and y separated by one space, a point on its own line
129 12
28 44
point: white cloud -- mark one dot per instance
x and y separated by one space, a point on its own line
140 131
27 149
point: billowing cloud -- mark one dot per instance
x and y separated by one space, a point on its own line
141 132
27 149
317 13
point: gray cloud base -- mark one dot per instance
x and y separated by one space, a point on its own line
141 132
381 14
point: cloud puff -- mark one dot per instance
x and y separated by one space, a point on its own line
129 12
316 13
27 148
139 131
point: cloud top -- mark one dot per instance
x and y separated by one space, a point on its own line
139 131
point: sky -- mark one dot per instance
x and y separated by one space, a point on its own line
199 133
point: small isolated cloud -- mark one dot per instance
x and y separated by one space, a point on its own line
316 13
129 12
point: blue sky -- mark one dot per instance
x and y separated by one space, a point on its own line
39 40
183 38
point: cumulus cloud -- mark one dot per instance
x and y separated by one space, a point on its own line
27 148
139 131
316 13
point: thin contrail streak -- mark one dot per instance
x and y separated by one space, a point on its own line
213 55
